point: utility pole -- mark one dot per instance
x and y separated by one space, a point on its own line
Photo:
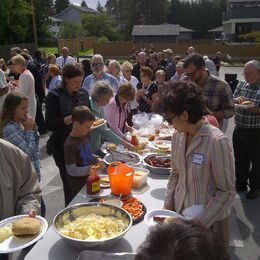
34 26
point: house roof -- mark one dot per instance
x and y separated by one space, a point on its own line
160 29
82 9
184 29
242 1
217 29
53 19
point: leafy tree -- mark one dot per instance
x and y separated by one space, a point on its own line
71 30
61 5
252 36
84 4
100 8
16 21
118 8
43 9
98 25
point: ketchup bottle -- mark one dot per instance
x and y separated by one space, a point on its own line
93 181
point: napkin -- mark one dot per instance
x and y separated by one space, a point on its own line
193 211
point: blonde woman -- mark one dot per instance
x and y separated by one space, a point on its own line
25 84
114 69
127 69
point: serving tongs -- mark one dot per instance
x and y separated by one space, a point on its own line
114 153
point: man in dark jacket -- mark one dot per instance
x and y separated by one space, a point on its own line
141 62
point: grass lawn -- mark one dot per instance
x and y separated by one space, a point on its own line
49 50
53 50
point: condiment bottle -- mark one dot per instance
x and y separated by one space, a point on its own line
134 140
93 181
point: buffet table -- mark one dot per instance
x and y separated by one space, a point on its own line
52 247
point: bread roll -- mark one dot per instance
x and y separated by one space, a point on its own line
247 102
26 226
98 122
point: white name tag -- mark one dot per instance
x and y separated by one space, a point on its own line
197 158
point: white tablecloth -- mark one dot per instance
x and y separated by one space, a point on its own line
53 248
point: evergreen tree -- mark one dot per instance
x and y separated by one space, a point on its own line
100 8
84 4
61 5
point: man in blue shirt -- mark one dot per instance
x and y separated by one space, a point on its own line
97 66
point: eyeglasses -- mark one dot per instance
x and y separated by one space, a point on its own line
169 117
192 74
97 64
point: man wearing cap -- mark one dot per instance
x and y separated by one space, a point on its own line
97 66
64 58
170 64
141 62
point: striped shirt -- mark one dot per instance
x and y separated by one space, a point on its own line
202 175
27 141
218 96
243 117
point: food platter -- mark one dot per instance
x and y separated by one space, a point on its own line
14 243
244 106
91 232
97 126
161 145
149 218
161 169
130 204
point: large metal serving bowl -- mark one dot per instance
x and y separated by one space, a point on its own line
83 209
108 159
157 170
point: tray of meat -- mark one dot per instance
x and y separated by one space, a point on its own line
158 163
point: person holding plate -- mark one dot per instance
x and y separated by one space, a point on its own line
202 175
19 187
246 135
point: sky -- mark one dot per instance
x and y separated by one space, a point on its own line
90 3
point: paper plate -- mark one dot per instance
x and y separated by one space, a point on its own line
14 243
167 143
97 126
244 106
148 218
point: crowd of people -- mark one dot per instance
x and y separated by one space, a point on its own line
186 91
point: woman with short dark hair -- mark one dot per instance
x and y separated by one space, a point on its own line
202 163
60 103
147 90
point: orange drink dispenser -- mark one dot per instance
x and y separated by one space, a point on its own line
121 178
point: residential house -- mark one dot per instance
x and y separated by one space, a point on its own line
54 28
169 33
73 13
240 17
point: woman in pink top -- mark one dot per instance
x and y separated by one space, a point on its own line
117 109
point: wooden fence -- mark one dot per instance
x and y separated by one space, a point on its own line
123 49
5 50
76 45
